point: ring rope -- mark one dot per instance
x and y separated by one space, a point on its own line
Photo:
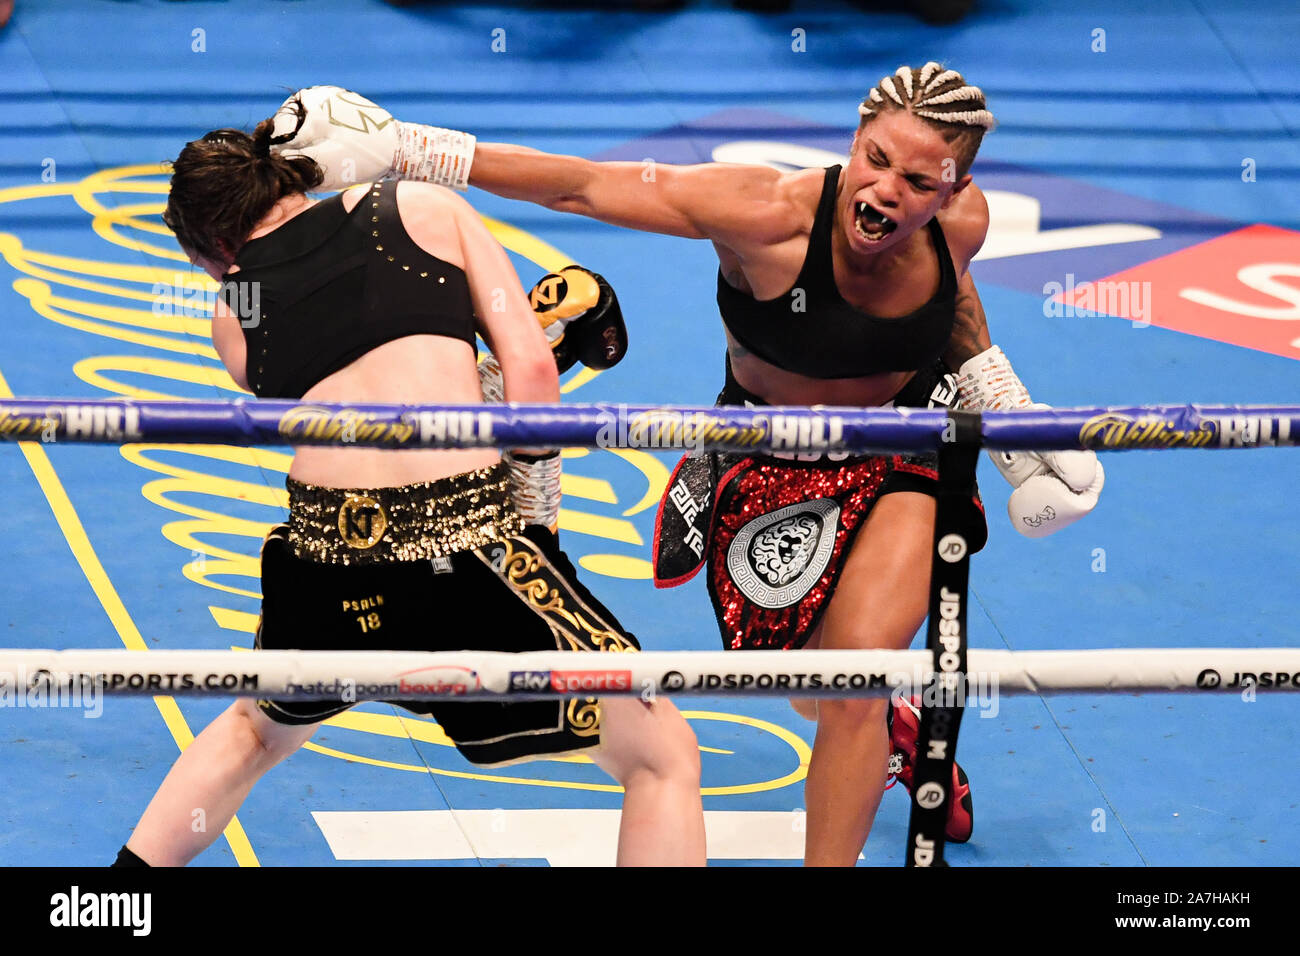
777 429
447 675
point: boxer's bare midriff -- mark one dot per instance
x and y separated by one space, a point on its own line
777 386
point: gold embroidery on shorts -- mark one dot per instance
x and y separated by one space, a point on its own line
583 715
533 579
362 522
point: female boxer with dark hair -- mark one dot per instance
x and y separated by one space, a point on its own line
375 295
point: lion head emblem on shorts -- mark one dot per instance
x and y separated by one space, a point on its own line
776 558
781 551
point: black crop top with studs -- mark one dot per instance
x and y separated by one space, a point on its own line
328 286
829 338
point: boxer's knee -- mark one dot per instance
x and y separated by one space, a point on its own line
852 715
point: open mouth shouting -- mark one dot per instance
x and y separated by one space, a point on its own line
872 224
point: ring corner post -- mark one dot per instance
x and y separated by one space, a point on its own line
943 696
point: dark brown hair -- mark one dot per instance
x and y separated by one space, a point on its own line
224 183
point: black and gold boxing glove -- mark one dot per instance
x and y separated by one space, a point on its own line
581 317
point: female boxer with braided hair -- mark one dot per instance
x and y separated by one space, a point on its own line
843 286
372 296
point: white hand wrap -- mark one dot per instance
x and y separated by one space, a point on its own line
490 380
432 154
1052 489
535 487
989 381
534 479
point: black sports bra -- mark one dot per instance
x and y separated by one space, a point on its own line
328 286
830 338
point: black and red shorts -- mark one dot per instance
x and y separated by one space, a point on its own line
774 532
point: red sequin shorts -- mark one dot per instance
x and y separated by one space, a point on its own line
774 533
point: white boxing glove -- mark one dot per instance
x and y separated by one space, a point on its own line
1053 489
356 141
349 137
1044 504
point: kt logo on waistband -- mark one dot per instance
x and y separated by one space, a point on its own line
362 522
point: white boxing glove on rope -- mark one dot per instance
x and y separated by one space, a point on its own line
354 140
1053 489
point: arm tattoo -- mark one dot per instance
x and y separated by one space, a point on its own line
970 331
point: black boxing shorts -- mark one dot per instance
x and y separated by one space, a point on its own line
774 531
439 566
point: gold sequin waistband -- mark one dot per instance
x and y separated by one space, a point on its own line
411 523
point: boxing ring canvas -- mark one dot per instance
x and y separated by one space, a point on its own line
1144 248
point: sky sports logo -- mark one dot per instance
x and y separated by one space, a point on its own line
564 682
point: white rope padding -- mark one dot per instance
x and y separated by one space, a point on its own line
384 675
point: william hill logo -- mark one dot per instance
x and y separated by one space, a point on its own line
346 425
72 421
1125 431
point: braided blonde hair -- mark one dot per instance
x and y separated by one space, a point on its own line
940 97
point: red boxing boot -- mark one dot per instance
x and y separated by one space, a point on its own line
904 727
